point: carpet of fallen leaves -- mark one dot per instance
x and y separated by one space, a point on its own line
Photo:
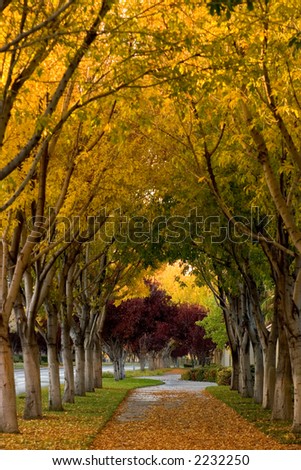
179 420
73 428
49 433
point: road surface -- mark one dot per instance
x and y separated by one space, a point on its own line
20 378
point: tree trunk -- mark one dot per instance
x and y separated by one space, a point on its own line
142 361
283 397
259 373
142 354
235 369
270 366
54 390
295 353
31 359
89 374
80 388
119 373
257 334
68 396
290 323
8 410
227 309
245 378
8 407
97 363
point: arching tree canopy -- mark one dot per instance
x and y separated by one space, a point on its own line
134 135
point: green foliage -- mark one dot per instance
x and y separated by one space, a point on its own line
43 359
186 375
202 374
18 358
214 324
224 376
199 374
145 373
210 373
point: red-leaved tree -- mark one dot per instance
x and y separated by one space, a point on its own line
156 328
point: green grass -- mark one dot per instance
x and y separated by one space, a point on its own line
138 373
129 383
146 372
79 423
245 407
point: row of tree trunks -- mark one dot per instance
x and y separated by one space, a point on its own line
272 384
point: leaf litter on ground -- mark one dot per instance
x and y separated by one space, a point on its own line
187 421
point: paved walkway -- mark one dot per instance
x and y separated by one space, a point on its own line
179 415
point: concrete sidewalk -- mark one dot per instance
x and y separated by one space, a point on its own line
179 415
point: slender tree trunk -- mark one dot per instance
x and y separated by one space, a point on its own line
142 361
97 363
89 374
257 334
119 373
31 359
235 369
8 407
293 332
227 309
68 396
290 324
8 410
270 366
54 390
66 321
116 353
283 399
295 353
259 373
258 357
151 362
142 354
80 388
116 365
245 379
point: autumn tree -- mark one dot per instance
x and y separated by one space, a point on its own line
189 337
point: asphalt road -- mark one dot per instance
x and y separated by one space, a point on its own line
20 378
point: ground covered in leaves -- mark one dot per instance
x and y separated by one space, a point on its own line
187 421
77 425
161 420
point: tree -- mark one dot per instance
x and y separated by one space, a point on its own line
189 336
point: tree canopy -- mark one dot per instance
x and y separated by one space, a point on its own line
134 136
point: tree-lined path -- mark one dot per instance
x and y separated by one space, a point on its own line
112 168
179 415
